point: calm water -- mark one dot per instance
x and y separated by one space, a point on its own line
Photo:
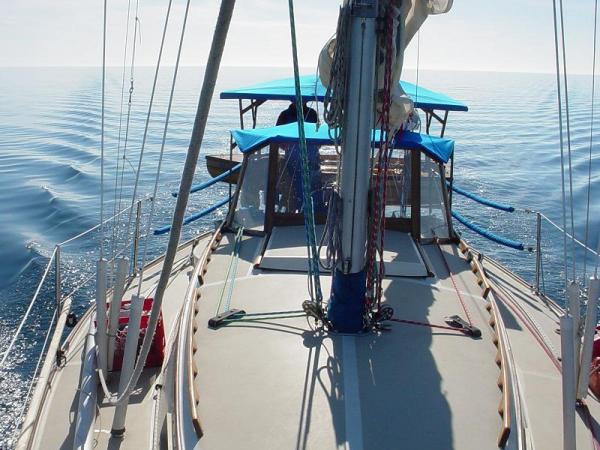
506 149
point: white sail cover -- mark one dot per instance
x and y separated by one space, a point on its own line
410 16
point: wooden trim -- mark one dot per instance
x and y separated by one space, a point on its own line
189 328
476 268
504 408
500 340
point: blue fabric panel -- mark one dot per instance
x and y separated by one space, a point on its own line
437 148
312 89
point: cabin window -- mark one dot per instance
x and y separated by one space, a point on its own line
288 195
398 201
434 211
252 197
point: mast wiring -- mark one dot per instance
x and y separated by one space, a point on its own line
129 105
164 139
115 204
561 140
568 124
147 124
102 133
589 187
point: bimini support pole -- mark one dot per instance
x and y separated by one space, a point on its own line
591 318
101 335
346 308
115 308
568 381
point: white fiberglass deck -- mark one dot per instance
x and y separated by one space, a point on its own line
286 251
277 383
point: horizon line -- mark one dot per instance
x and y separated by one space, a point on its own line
286 67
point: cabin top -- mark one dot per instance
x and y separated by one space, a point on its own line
248 140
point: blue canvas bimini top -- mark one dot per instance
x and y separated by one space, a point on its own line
313 89
439 149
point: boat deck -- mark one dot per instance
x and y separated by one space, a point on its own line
533 324
278 383
56 426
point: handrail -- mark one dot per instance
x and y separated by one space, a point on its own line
28 311
209 183
510 386
88 231
186 345
577 241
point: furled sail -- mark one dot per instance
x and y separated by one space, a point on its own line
408 17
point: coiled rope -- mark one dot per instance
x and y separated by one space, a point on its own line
375 244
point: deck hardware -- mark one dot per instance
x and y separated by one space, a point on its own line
71 320
61 359
460 323
384 313
313 310
220 319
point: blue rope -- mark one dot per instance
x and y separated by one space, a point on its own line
309 218
482 200
196 216
488 234
209 183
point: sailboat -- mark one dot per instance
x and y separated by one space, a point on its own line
335 306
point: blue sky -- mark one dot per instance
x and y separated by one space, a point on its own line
514 35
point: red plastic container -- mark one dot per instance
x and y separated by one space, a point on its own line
157 350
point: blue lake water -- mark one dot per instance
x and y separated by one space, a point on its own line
506 149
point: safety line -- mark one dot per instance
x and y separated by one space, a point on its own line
460 297
429 325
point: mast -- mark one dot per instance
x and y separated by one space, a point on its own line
346 309
360 104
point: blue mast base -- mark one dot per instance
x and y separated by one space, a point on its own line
347 305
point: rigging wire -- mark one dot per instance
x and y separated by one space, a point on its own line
309 220
146 126
129 104
561 139
139 366
162 145
589 190
115 205
568 123
102 133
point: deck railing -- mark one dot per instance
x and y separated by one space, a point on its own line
53 280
